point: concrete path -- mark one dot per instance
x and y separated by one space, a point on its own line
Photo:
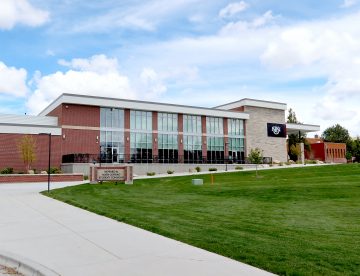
72 241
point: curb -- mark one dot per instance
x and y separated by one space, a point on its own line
24 265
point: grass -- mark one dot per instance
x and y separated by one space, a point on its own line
298 221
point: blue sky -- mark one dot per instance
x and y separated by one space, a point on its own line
194 52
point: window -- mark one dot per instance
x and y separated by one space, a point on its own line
111 135
236 141
192 139
141 136
215 139
168 138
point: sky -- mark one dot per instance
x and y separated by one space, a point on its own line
193 52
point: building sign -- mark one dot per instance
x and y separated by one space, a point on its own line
276 130
110 174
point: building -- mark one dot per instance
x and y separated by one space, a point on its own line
326 151
97 129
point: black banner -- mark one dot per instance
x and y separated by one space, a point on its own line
276 130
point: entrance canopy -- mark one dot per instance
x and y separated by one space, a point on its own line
301 128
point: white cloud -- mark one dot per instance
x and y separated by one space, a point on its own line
349 3
144 15
233 9
98 76
14 12
234 28
98 64
13 81
152 84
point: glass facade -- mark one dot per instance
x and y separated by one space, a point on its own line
168 138
192 139
215 140
236 140
111 135
141 136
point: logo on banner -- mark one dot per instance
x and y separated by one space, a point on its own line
276 130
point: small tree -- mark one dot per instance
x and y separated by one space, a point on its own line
256 157
294 139
27 148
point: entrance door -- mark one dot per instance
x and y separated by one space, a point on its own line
115 158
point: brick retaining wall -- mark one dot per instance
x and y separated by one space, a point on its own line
23 178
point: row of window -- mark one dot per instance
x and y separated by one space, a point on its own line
113 118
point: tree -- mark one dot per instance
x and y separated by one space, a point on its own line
27 148
294 139
355 148
292 117
336 134
256 157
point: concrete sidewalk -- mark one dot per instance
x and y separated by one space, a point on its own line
72 241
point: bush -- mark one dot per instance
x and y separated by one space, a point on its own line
86 177
150 173
281 164
7 171
170 172
310 162
239 168
212 169
54 170
198 169
288 163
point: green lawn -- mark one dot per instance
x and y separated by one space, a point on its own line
298 221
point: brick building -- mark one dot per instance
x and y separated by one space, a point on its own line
97 129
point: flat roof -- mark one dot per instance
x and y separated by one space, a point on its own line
26 124
303 128
253 102
67 98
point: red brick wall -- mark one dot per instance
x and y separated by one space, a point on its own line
317 152
21 178
80 141
10 155
81 115
57 112
239 109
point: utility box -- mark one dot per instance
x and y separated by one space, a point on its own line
197 181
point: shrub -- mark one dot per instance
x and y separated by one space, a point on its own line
170 172
239 168
281 164
310 162
270 165
150 173
86 177
212 169
198 169
54 170
7 171
288 163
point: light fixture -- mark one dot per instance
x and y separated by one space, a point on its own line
64 136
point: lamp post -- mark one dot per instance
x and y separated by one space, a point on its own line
49 134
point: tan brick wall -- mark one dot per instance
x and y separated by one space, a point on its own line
256 132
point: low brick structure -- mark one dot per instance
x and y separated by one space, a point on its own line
25 178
